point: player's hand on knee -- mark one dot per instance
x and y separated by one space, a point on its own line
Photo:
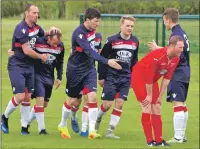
159 100
147 101
113 63
152 45
43 57
57 83
101 83
10 53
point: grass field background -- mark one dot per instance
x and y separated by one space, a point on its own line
129 128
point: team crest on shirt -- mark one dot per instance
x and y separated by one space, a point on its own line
81 36
174 95
23 31
163 71
50 59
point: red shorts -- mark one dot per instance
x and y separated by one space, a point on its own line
139 87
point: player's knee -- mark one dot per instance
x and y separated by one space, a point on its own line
77 103
92 96
119 104
107 105
71 101
40 101
146 109
27 97
156 109
178 103
20 97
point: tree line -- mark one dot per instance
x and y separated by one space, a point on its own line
53 9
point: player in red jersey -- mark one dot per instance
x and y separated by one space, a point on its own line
145 74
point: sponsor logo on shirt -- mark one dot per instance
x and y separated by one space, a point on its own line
124 56
163 71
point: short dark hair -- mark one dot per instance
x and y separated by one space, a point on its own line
92 13
53 33
172 13
27 8
174 39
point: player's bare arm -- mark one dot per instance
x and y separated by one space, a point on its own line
28 51
153 45
10 53
163 87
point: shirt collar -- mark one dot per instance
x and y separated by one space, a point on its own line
175 26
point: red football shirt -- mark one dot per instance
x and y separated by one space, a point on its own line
156 64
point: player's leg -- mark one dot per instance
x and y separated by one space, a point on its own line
25 112
139 88
66 110
108 96
176 94
85 122
74 119
123 90
74 93
25 104
91 84
156 119
39 106
32 116
18 87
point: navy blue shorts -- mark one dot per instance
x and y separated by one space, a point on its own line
42 90
177 91
21 78
115 84
77 82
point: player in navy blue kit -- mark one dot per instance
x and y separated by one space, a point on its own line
81 71
179 84
124 47
20 66
44 74
84 128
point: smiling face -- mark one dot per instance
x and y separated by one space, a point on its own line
127 27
